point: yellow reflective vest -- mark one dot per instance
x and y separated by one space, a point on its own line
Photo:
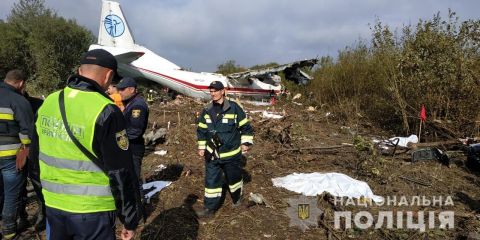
70 180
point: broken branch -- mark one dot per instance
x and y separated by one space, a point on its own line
316 148
416 181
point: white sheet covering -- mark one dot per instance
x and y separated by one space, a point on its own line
403 141
337 184
158 186
266 114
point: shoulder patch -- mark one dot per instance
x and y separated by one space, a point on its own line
136 113
122 139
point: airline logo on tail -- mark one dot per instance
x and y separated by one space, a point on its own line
115 32
114 25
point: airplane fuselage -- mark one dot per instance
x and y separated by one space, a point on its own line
153 67
137 61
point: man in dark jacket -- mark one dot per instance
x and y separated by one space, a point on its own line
223 133
16 127
136 115
85 160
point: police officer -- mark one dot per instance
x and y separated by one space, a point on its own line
136 115
223 133
16 127
85 160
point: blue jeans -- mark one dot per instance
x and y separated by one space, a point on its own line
12 184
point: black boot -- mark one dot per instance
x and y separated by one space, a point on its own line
22 220
241 203
22 223
205 213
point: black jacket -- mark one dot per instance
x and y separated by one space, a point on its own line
12 102
35 103
136 116
229 124
117 162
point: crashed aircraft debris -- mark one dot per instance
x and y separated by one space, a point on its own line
270 75
139 62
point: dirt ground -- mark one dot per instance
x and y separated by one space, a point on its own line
171 212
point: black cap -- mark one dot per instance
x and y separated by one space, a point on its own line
127 82
217 85
101 58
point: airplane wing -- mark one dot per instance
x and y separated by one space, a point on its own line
128 57
292 72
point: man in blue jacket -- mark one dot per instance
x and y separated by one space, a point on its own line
223 133
136 114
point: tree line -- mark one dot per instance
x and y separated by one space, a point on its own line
435 63
386 80
45 46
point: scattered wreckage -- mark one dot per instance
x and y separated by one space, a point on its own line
426 151
292 71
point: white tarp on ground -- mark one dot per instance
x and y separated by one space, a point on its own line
161 152
155 187
403 141
266 114
337 184
257 103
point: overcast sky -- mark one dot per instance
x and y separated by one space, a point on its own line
201 34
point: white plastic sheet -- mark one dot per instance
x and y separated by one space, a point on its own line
258 103
337 184
266 114
160 168
403 141
161 152
157 187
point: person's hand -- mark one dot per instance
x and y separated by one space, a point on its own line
22 155
245 148
127 234
201 152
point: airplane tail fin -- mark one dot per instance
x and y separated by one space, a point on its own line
114 30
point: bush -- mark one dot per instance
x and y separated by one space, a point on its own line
435 63
47 47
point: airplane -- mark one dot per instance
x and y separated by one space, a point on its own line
137 61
